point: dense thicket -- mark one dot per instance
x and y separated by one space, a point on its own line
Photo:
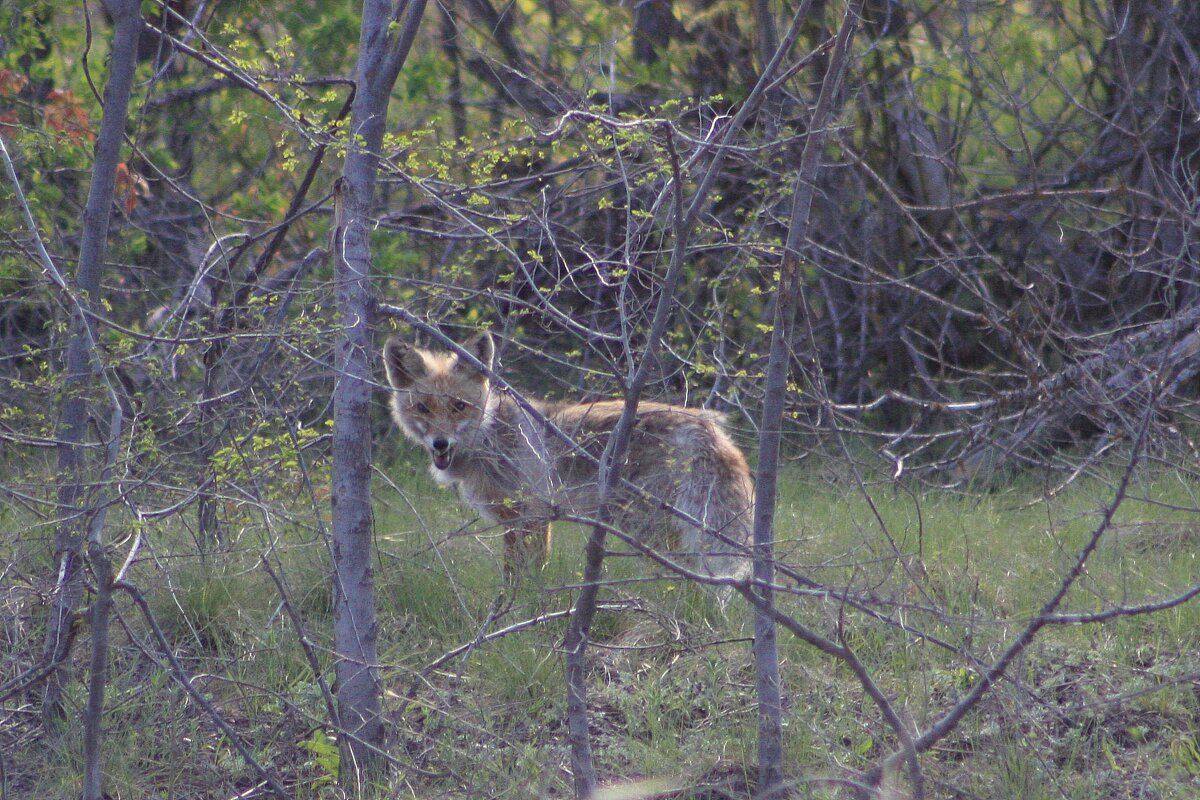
996 264
1009 192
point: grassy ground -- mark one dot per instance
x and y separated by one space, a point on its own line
1089 711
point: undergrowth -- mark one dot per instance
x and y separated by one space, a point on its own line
1098 710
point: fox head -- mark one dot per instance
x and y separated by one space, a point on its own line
439 401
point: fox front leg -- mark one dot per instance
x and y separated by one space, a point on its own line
526 540
526 546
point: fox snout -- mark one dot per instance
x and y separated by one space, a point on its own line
441 449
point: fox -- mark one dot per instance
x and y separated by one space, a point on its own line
518 474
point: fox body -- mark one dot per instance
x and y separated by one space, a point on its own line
514 472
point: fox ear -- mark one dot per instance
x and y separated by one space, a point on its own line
402 363
483 348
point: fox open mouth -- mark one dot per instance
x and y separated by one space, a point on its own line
441 458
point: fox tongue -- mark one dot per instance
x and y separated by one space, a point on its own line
441 459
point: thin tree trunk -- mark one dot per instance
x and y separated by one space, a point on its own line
768 45
382 52
576 638
766 651
98 681
77 378
575 643
358 690
458 111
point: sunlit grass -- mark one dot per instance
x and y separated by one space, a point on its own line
473 668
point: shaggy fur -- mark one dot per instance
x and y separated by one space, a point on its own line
510 470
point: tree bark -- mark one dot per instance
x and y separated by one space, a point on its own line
355 626
382 51
766 651
653 24
81 342
98 680
576 638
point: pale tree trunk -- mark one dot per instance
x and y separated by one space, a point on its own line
382 50
768 45
127 17
766 649
576 638
78 367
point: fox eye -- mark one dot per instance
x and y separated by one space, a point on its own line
459 405
422 408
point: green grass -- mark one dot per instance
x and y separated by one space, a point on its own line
1087 711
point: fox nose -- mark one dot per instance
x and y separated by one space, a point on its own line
440 444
